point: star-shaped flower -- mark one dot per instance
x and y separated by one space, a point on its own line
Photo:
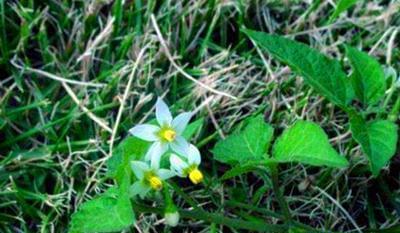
149 178
188 167
168 133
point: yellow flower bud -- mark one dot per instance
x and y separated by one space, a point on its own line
155 182
195 176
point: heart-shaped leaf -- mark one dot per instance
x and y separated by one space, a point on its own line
110 212
249 144
377 138
307 143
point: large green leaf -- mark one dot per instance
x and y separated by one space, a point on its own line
110 212
377 138
368 78
307 143
249 144
324 74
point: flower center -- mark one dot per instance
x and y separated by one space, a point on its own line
195 176
168 135
155 182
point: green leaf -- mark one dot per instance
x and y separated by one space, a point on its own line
307 143
131 148
325 75
368 78
110 212
341 7
249 144
192 128
377 138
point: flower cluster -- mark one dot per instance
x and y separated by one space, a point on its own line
167 139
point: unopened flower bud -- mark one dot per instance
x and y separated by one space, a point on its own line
172 218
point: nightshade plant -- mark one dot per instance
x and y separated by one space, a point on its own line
142 165
377 136
113 211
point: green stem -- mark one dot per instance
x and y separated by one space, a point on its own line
386 102
207 139
217 219
394 113
278 192
186 197
169 203
252 208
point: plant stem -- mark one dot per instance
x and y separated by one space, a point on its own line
217 219
252 208
169 203
394 113
279 195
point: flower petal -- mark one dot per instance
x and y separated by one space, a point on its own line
165 174
163 114
181 121
177 164
155 148
155 160
146 132
154 154
180 145
194 156
139 188
139 168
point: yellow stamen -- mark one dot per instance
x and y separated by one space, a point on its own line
155 182
168 134
195 176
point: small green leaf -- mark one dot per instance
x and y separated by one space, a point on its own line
306 142
192 128
110 212
377 138
341 7
325 75
368 78
249 144
131 148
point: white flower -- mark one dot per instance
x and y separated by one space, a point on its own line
189 166
148 178
168 133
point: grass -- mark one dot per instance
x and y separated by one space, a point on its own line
65 68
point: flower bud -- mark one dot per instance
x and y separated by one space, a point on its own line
172 218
